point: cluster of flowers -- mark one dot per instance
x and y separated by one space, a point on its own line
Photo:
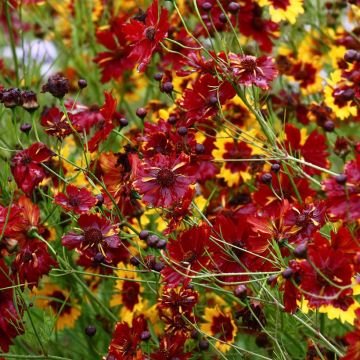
208 208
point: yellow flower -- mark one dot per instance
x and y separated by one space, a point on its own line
219 324
57 300
290 11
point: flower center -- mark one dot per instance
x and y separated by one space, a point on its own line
74 201
249 63
26 160
150 33
27 257
93 236
165 177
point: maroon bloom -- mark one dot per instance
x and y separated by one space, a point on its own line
146 35
249 70
26 166
97 236
171 347
77 200
162 180
125 342
32 262
55 123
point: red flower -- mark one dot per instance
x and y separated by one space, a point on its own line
146 35
126 339
313 151
250 70
162 180
97 236
202 101
26 166
251 23
32 262
353 341
344 200
55 123
171 347
189 253
77 200
106 125
10 325
114 62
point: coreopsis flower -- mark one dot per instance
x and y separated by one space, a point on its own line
12 223
10 312
26 166
307 75
343 200
252 24
171 347
59 303
284 9
162 180
126 340
249 70
179 300
313 149
188 254
54 123
146 34
113 62
32 262
128 293
97 236
77 200
353 340
220 324
202 101
324 274
106 125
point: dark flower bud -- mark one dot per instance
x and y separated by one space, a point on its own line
266 178
194 334
300 251
143 234
123 122
158 266
11 98
29 100
152 240
233 7
329 126
161 244
57 86
82 83
167 87
172 119
222 18
145 335
141 112
240 291
182 130
204 345
213 100
199 149
100 200
287 273
351 56
25 128
341 179
90 330
134 261
99 258
275 168
158 76
206 6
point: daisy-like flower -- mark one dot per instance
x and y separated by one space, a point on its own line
221 325
58 301
126 339
26 166
146 35
171 347
249 70
97 236
77 200
127 292
281 10
162 180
